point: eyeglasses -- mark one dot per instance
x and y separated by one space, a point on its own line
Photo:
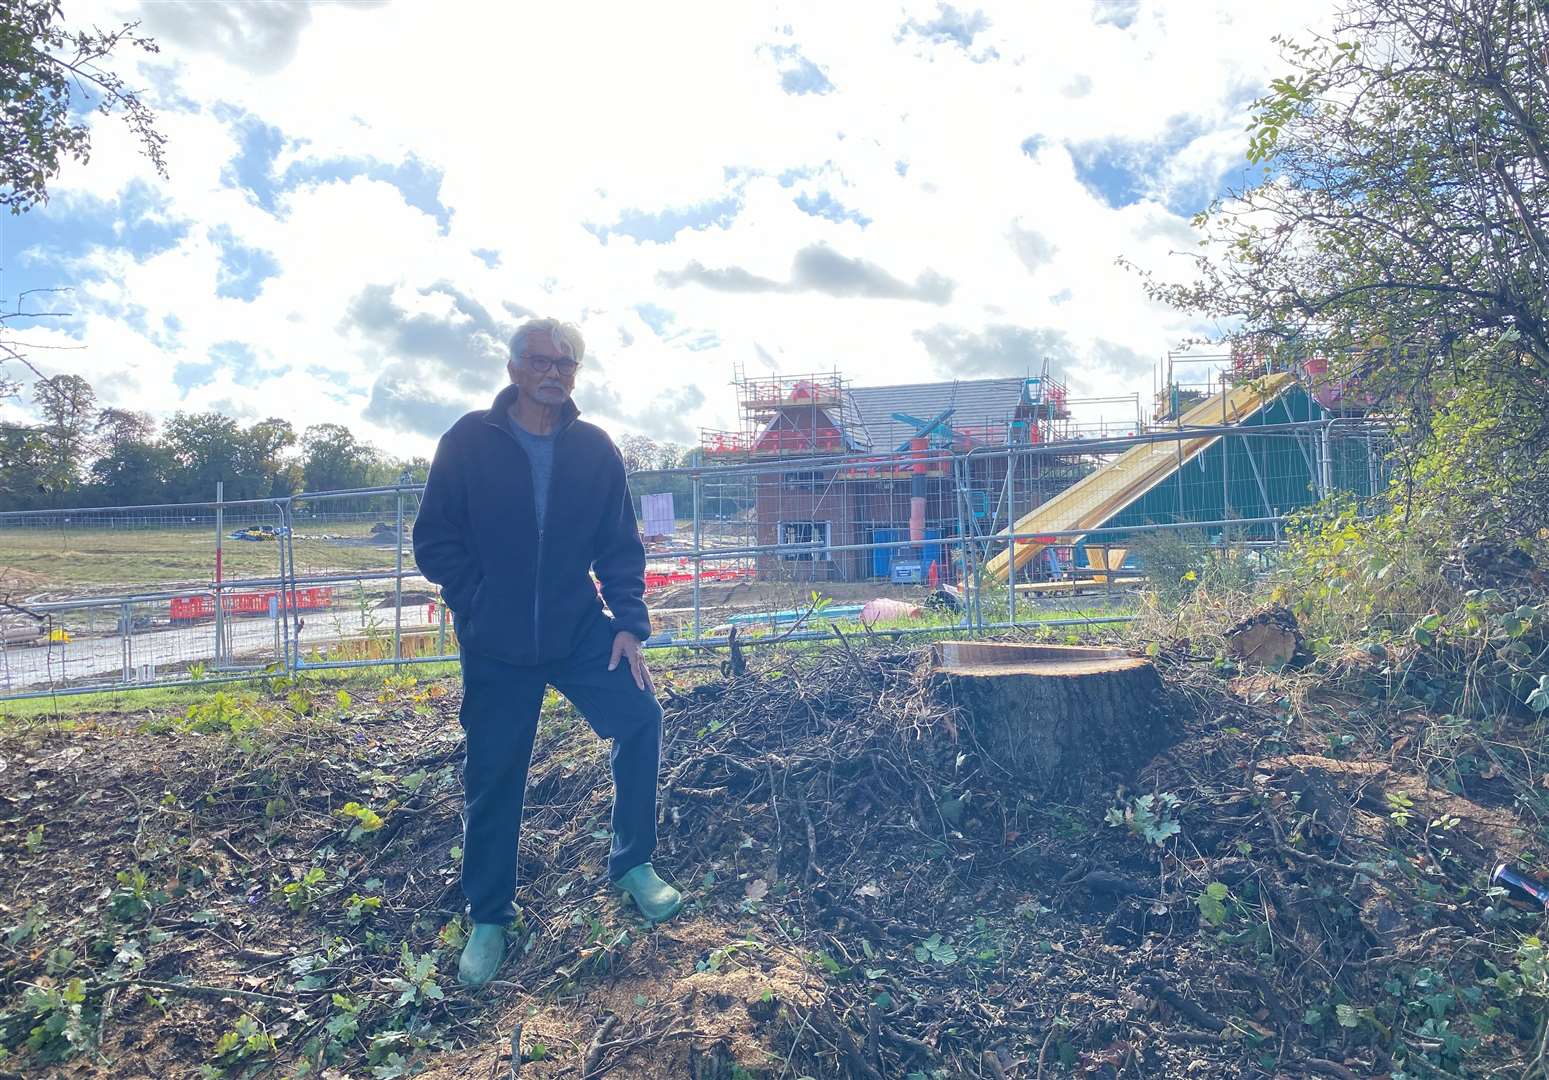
562 364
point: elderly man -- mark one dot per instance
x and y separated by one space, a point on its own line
523 503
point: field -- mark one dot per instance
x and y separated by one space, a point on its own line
56 562
74 559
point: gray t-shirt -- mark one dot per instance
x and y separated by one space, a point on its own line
540 451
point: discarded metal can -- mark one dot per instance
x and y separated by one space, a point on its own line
1522 890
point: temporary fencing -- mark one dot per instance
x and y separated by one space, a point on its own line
779 549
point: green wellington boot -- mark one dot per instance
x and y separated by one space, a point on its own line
656 900
482 955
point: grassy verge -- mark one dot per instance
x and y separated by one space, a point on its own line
134 701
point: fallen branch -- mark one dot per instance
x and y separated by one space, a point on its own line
812 841
214 993
736 664
1118 884
1328 1068
625 1046
1156 988
595 1051
919 1046
709 794
855 915
1327 864
873 1025
1189 1038
1266 992
854 656
840 1033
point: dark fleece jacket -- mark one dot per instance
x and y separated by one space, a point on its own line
518 594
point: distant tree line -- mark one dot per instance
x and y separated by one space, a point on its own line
85 455
646 460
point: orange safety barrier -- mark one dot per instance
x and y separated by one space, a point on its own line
824 438
654 580
186 608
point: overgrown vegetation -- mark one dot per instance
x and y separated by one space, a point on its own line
1398 235
1177 562
1410 757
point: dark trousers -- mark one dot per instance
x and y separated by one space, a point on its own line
500 716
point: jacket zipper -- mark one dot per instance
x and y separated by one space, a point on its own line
537 570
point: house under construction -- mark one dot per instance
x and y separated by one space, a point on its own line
908 475
902 482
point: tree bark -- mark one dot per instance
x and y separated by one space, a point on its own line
1054 717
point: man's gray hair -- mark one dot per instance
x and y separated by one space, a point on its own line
566 337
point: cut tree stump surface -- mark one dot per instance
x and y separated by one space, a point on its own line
989 659
1054 715
1049 668
1270 638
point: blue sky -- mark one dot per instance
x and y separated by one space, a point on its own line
364 200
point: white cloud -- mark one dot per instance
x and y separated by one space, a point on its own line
543 119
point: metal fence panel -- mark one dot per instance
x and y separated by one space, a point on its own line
775 549
358 547
131 596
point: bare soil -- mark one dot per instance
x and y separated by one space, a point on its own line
870 893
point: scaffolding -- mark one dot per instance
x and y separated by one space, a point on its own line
823 414
1180 383
828 464
897 482
786 415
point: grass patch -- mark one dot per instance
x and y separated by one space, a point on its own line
131 701
77 558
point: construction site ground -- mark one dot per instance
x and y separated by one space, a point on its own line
264 882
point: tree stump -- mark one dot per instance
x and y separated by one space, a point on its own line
1270 638
1054 716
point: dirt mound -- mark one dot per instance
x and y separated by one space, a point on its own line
272 878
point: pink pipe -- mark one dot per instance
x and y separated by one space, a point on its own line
917 492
